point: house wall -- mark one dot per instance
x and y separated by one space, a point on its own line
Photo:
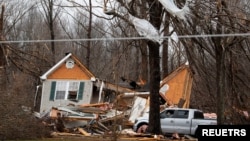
179 87
46 104
76 73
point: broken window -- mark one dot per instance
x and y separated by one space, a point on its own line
73 89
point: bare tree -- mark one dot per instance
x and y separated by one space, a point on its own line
2 50
155 13
89 33
207 53
12 78
50 16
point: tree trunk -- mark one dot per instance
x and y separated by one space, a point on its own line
51 28
154 64
89 34
165 69
154 67
144 61
220 56
2 58
220 72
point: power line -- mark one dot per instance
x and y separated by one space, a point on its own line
128 38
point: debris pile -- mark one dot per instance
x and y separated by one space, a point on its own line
111 108
99 119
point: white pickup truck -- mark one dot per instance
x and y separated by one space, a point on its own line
177 120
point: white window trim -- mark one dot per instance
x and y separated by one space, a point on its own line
67 90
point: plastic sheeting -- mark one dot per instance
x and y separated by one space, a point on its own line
170 6
145 29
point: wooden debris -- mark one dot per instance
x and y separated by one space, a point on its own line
55 134
83 132
175 136
189 137
94 105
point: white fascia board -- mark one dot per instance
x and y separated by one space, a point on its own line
44 76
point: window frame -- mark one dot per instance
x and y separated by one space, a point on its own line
66 87
181 114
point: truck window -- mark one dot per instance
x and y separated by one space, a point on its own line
167 114
198 115
181 114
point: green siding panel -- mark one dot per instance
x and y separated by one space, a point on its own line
80 91
52 91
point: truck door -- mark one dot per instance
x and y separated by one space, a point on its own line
167 121
182 122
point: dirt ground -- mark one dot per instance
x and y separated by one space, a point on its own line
118 137
111 139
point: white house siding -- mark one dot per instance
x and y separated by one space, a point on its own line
47 104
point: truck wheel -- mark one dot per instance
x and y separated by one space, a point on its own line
142 128
196 133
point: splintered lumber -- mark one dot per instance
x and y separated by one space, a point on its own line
63 134
83 132
121 116
134 94
189 137
93 110
114 87
96 130
102 126
93 105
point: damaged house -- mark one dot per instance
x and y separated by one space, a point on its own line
69 92
69 82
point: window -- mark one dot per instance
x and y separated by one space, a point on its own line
73 89
198 115
63 90
167 114
182 114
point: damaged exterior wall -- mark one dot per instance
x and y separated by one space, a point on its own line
179 84
47 103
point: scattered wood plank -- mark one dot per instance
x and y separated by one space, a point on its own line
83 132
93 105
55 134
189 137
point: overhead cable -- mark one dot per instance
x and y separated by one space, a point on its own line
128 38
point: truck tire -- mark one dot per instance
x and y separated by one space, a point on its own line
142 128
196 133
